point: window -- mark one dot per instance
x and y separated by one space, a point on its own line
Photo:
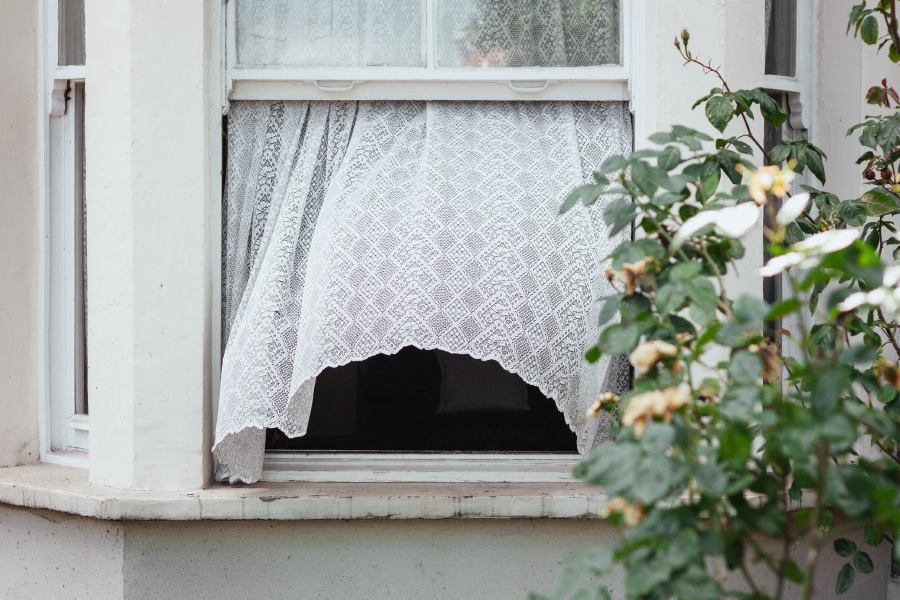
790 80
395 274
65 426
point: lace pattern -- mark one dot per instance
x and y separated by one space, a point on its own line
356 229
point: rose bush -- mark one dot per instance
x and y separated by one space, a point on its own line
726 441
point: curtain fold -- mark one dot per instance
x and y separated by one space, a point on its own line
355 229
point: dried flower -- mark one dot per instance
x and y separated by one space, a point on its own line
647 355
631 274
645 407
769 352
633 513
889 372
595 409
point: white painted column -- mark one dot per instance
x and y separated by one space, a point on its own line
20 233
148 238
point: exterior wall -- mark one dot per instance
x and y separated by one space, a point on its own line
45 554
150 291
19 232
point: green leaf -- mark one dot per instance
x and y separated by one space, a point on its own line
779 153
685 271
814 162
619 339
619 214
719 111
783 309
669 298
613 164
845 579
745 367
873 535
791 571
598 559
844 547
610 308
794 234
593 354
868 30
652 479
711 479
695 584
662 137
669 159
893 54
849 489
657 438
594 592
852 212
703 299
863 563
858 354
878 202
828 390
586 194
750 309
646 177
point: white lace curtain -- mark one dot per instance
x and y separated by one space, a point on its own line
356 229
470 33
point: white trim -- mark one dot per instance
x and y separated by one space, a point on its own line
255 89
60 346
68 458
435 467
43 346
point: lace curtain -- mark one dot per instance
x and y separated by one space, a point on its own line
355 229
470 33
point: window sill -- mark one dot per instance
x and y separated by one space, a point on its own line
66 489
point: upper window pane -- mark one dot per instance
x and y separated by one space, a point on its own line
330 33
527 33
781 37
71 32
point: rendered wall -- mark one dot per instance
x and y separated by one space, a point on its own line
51 555
45 554
19 232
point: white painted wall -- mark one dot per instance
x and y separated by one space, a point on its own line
19 233
45 554
148 238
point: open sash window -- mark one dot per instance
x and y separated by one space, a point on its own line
396 276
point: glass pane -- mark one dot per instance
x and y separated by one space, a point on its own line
330 33
71 32
781 37
529 33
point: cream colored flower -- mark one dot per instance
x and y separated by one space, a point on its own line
595 409
633 513
647 355
643 408
772 179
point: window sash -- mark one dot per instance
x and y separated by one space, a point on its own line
598 83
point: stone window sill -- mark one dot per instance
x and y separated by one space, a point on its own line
66 489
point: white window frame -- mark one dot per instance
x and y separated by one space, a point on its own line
600 83
801 95
604 83
64 431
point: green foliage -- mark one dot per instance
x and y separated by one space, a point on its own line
698 470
